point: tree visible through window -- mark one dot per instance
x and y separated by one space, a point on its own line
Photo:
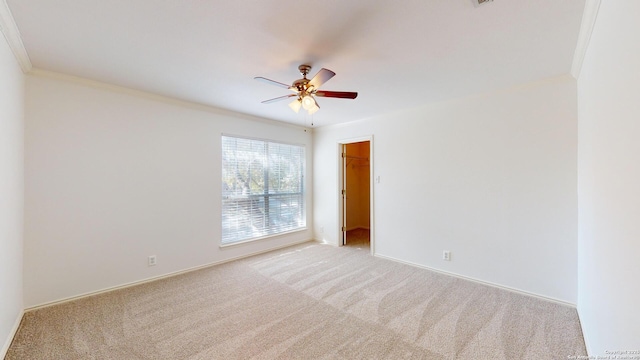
262 188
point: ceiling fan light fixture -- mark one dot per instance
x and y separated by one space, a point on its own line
314 108
308 102
295 105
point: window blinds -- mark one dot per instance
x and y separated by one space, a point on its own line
262 188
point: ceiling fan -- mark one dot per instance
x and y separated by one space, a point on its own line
306 90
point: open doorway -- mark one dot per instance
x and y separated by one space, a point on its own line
356 193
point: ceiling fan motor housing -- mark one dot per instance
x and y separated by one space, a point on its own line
301 84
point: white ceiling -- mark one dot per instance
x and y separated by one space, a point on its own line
395 56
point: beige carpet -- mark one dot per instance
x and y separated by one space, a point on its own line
311 301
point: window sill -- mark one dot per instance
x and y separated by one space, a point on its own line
248 241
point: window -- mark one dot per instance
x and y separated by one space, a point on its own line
262 188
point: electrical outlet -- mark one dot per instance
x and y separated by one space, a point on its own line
446 255
321 229
152 260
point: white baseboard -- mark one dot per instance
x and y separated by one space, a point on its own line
155 278
12 334
503 287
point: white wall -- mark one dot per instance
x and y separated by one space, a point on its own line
491 178
11 193
113 176
608 181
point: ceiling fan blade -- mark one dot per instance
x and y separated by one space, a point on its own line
278 98
272 82
337 94
321 77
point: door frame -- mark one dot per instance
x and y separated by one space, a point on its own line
340 183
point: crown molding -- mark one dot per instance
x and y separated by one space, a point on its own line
589 16
10 30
